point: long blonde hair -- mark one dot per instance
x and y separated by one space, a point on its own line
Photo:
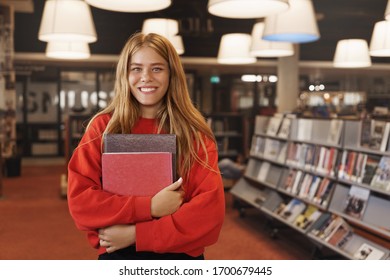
177 115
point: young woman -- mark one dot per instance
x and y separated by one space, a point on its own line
151 96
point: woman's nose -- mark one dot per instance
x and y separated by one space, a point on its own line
146 77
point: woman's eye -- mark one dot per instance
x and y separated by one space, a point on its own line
136 69
157 69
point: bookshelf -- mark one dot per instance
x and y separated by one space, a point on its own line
303 174
229 131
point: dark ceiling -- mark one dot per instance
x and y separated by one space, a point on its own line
337 19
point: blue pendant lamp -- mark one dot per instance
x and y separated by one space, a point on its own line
297 25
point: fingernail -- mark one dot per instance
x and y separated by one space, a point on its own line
180 180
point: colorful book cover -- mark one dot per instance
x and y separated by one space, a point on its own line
356 201
137 174
368 252
381 179
122 143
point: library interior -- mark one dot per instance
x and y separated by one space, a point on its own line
297 96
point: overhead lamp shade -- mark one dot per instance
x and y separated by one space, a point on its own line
352 53
387 11
297 25
380 39
130 6
162 26
67 20
263 48
246 8
234 49
177 42
68 50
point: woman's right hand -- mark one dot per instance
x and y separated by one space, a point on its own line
168 200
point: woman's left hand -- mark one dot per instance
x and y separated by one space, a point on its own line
117 237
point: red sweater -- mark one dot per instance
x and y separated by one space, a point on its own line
189 230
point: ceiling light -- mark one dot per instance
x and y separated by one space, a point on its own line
352 53
380 39
263 48
234 49
246 8
297 25
167 28
162 26
67 20
177 42
130 6
68 50
387 11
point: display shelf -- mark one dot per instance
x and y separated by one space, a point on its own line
317 180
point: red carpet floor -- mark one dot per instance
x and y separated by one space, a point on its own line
35 224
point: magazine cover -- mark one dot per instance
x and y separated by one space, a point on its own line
356 201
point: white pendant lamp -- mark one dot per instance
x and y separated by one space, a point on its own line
263 48
297 25
246 8
177 42
380 39
387 11
67 20
68 50
352 53
234 49
130 6
162 26
167 28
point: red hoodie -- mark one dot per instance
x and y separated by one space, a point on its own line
189 230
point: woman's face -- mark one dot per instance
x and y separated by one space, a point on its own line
149 80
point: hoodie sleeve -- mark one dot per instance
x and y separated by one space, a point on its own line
90 206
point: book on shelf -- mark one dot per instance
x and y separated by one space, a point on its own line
284 130
334 134
377 133
281 157
365 134
137 174
289 180
340 233
305 185
123 143
385 138
356 201
381 178
297 181
257 147
370 167
321 223
368 252
292 209
274 125
271 148
302 219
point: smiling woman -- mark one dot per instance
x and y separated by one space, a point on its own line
180 221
